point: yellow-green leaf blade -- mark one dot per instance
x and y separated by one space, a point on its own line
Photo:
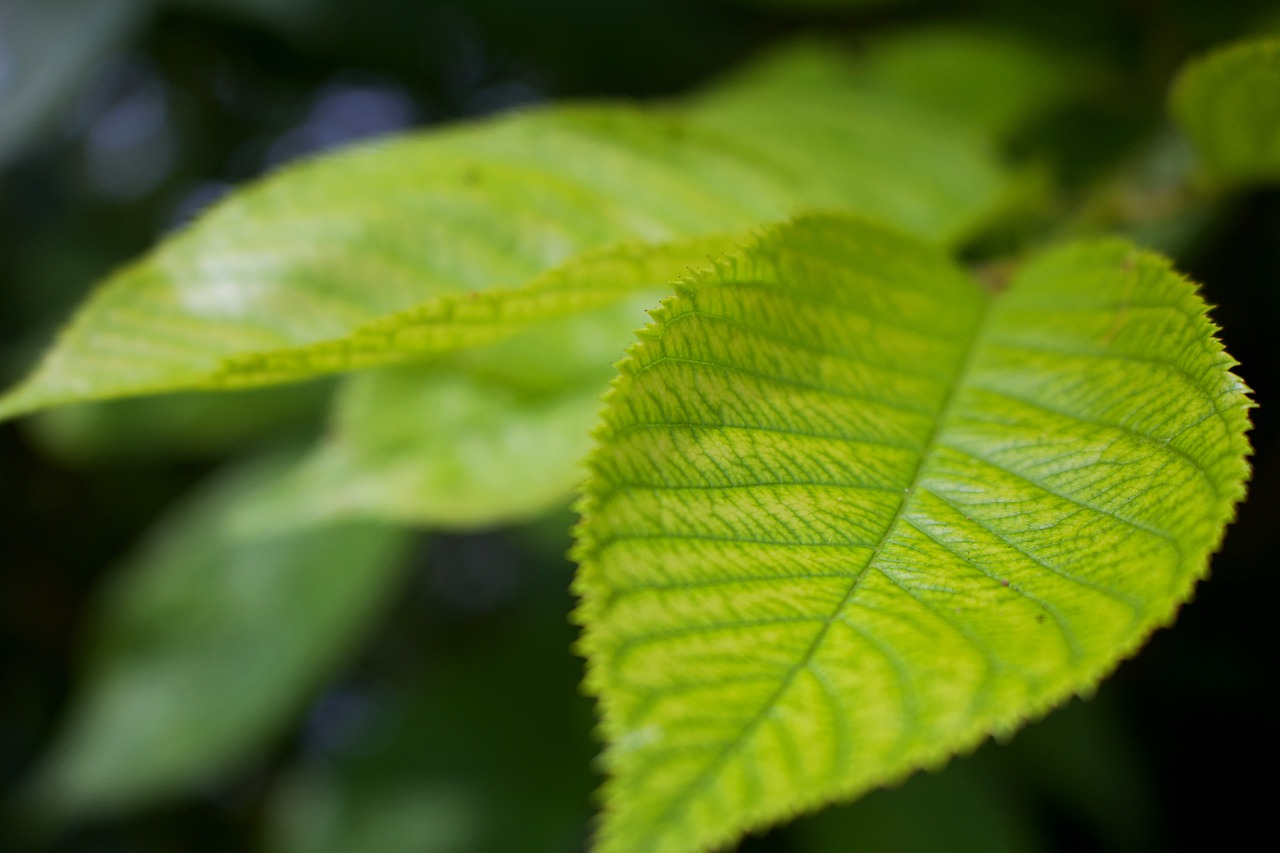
452 322
849 514
1229 104
325 248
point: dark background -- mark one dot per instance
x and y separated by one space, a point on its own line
173 103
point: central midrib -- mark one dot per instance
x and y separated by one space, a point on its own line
679 803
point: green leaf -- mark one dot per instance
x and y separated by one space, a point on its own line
475 319
849 514
422 222
443 761
179 426
988 80
1229 104
432 447
207 644
494 436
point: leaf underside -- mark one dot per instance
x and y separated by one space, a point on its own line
849 514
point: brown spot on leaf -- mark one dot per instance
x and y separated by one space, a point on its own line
995 275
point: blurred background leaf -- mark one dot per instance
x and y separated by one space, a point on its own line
994 82
514 772
177 426
493 436
1227 104
206 643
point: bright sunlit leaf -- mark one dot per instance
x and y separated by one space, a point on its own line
850 513
320 251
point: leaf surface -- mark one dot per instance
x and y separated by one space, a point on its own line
318 252
1229 104
593 281
438 448
986 79
206 644
494 435
849 513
